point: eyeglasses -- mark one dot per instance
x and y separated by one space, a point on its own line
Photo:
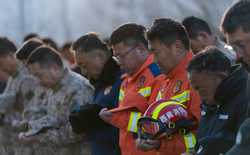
240 45
122 56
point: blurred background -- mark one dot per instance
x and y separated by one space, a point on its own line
66 20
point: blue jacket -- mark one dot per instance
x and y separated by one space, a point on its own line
105 140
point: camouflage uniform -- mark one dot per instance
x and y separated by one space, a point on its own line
34 109
53 131
18 92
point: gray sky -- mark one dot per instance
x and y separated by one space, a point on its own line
65 20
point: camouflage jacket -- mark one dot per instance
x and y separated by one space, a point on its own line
18 92
54 127
35 108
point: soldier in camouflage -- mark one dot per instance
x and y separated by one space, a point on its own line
19 90
51 134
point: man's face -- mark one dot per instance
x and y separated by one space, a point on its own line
197 45
205 83
68 55
48 76
127 57
164 55
201 41
3 76
240 41
91 63
8 64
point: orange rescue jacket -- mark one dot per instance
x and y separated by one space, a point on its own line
177 87
136 93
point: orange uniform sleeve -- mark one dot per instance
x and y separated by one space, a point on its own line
138 105
120 119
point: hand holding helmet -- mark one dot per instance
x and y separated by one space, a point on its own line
165 118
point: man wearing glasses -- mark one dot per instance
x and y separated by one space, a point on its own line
142 75
236 27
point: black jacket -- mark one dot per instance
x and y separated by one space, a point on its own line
2 86
220 123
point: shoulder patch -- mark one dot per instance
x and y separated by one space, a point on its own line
155 70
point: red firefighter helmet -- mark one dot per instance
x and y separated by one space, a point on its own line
165 118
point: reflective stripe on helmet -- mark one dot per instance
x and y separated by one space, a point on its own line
183 97
121 95
158 109
159 96
146 91
132 125
190 142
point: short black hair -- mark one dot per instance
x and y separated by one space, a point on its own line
210 59
168 31
7 47
89 43
45 56
194 25
50 42
130 33
107 41
66 45
238 16
27 48
30 36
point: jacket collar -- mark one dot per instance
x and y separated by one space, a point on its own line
63 81
232 85
149 60
109 74
180 67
